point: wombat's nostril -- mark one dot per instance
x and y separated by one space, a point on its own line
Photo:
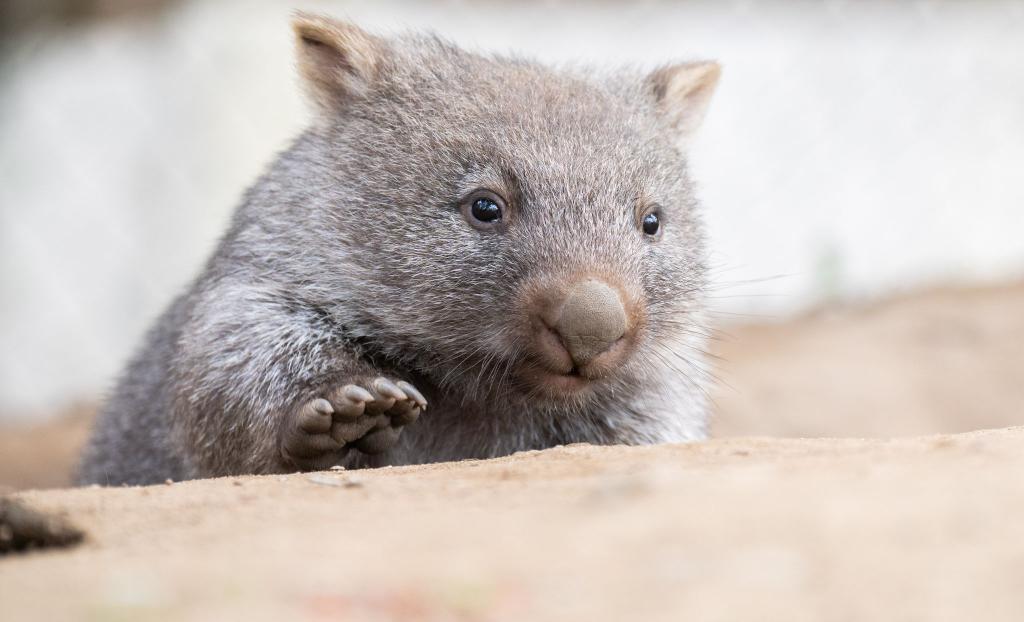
591 320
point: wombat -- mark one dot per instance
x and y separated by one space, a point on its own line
464 256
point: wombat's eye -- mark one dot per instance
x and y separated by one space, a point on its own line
652 223
486 210
483 210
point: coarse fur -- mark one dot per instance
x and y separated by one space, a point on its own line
349 259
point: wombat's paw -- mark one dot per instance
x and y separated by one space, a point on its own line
366 416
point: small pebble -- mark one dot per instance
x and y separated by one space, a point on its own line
337 482
168 481
324 480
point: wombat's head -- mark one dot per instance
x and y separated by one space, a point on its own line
504 227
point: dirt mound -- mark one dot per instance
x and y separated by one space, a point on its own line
936 362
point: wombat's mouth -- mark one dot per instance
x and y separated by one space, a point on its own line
554 373
555 383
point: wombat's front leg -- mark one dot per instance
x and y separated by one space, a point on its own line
364 414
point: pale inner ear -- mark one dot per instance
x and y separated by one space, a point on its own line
337 60
683 91
322 55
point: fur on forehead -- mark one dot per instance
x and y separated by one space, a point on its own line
340 62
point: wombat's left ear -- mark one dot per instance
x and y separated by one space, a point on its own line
338 60
682 93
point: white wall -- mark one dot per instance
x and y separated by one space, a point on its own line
853 149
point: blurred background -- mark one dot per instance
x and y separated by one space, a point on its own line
861 168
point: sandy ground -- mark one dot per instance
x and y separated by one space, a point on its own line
913 528
943 361
734 529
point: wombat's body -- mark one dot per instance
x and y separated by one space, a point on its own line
480 253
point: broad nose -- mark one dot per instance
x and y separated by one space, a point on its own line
592 319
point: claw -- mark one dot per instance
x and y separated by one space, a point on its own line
412 392
323 407
357 393
388 389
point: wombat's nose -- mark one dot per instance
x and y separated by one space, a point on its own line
591 320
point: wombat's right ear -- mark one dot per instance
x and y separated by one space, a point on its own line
338 61
682 93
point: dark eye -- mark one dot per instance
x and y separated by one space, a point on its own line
652 223
486 210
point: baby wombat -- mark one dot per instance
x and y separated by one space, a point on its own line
465 256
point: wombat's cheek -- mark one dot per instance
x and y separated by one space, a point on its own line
577 329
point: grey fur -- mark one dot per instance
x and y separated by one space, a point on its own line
349 259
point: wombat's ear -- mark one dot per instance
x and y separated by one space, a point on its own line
338 61
682 93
